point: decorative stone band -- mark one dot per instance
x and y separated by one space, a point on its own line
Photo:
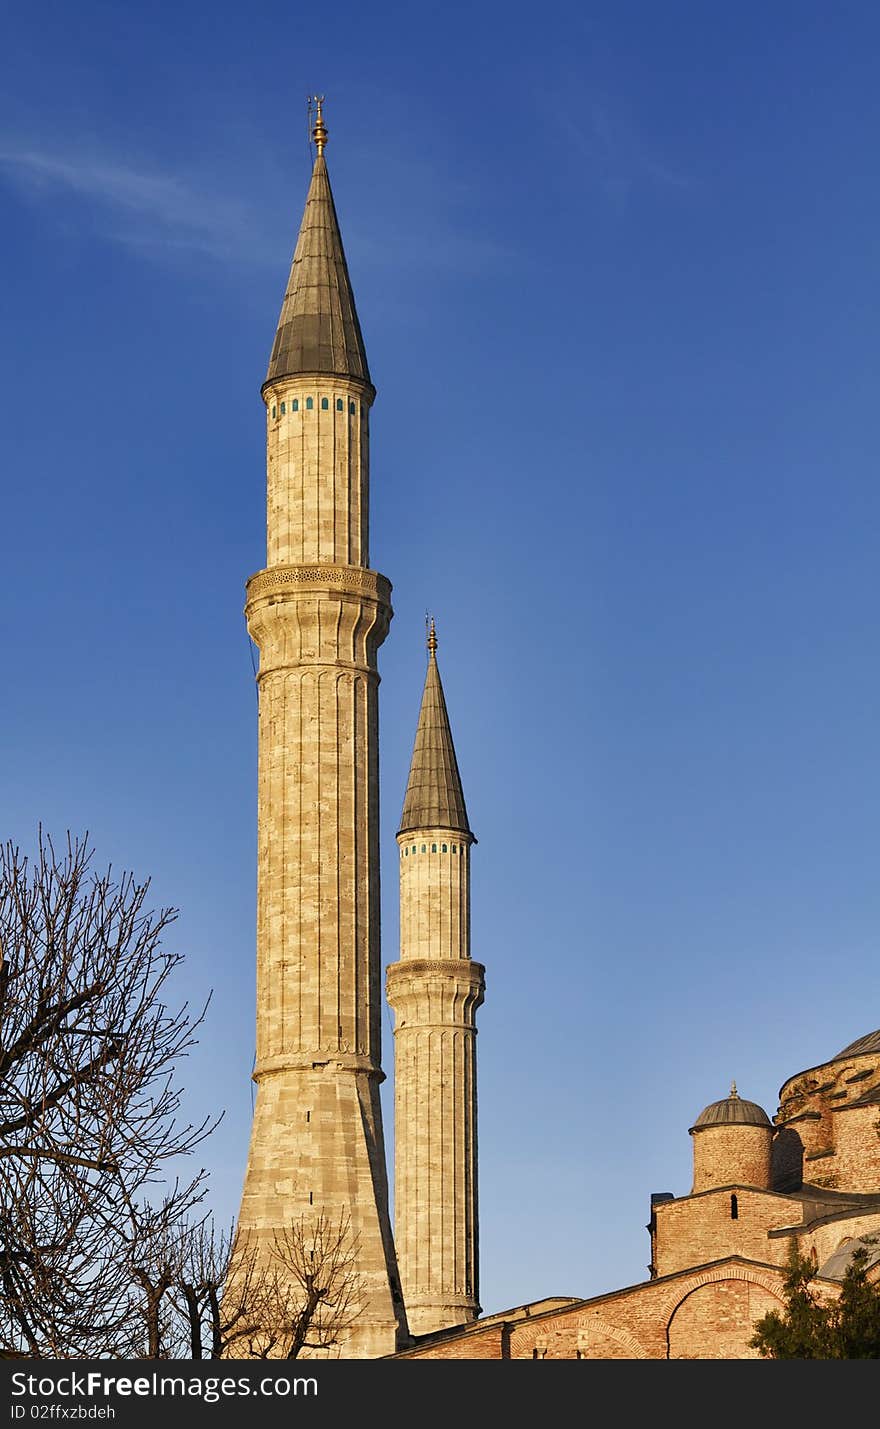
446 1300
356 580
464 968
460 976
318 615
316 1062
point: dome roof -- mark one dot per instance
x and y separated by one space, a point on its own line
732 1111
869 1043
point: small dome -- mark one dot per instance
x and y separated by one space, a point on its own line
732 1111
869 1043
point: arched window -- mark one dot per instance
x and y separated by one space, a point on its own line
309 404
294 406
734 1208
339 404
324 404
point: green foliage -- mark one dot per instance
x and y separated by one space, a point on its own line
815 1329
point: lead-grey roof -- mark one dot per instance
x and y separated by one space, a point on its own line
867 1044
731 1111
835 1267
318 329
434 797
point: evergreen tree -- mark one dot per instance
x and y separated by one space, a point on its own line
811 1328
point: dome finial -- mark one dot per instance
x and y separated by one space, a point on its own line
319 131
733 1090
432 635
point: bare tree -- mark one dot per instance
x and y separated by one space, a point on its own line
311 1290
223 1292
204 1294
89 1099
156 1249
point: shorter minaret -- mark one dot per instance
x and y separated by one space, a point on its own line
435 990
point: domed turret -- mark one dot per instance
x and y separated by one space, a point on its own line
733 1108
732 1140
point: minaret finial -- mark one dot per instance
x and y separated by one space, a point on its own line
432 635
733 1090
319 130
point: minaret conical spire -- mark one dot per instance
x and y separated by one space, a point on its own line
434 797
318 329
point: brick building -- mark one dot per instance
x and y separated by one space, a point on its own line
811 1176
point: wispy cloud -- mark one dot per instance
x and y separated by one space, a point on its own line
169 216
137 207
619 157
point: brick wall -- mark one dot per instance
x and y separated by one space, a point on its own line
707 1314
716 1321
695 1230
819 1106
485 1344
732 1155
857 1143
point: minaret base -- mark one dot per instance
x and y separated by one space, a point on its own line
316 1150
427 1318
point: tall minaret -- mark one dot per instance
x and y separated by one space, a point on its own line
318 614
435 991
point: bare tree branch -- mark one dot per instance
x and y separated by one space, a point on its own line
89 1106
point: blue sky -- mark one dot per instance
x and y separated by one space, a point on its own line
617 269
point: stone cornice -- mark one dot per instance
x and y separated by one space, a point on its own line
294 580
318 381
316 1062
473 972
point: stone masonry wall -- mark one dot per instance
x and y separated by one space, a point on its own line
317 470
434 895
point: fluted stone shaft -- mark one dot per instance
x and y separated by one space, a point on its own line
318 794
435 990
